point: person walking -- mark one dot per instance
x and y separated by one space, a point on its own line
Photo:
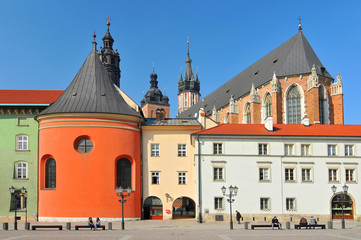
238 217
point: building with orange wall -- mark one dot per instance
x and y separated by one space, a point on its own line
89 143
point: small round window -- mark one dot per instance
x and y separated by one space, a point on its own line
85 145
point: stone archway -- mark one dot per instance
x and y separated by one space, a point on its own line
183 207
153 208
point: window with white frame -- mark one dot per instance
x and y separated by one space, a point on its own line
218 203
193 99
154 150
306 175
305 150
155 177
217 148
21 170
350 175
290 204
182 150
289 174
289 149
264 204
333 175
262 149
264 174
218 173
348 150
331 150
181 178
22 142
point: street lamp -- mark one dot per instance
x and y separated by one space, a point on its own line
343 193
13 200
120 193
23 191
232 193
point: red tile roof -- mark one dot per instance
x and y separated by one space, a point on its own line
29 96
284 130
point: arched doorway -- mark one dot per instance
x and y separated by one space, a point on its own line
183 207
337 206
153 208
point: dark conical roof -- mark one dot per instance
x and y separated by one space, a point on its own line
294 57
91 91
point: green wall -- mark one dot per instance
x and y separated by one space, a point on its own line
9 129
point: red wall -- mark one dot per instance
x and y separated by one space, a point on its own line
85 183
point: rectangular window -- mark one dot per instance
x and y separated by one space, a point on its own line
289 149
22 142
333 175
264 204
181 178
21 170
331 150
217 148
155 177
290 204
289 174
305 150
22 121
186 100
348 150
264 174
306 175
154 150
19 200
182 150
350 175
218 173
262 149
218 203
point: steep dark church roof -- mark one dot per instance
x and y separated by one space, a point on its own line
294 57
91 91
154 95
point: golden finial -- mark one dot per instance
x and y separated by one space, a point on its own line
299 23
94 36
187 40
108 21
153 66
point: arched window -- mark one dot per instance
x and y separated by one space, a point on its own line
22 142
50 173
247 114
267 107
193 99
124 168
322 100
293 106
186 100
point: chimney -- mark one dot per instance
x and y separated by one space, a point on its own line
268 124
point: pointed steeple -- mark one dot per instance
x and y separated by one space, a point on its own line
188 74
255 96
107 39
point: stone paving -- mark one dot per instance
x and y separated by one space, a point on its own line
184 229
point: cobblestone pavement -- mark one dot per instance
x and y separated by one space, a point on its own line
184 229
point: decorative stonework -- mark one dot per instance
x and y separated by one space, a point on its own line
255 96
276 86
336 88
312 80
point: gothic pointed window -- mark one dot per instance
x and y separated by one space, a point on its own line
293 106
124 168
267 107
50 173
322 104
247 114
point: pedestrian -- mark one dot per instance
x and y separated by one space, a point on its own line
97 224
238 217
90 223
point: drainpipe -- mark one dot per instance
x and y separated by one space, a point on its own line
141 172
199 181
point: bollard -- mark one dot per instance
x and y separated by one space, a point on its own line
329 224
288 225
5 226
246 225
68 226
27 226
110 225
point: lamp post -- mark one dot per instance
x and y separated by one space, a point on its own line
232 193
13 200
23 191
343 193
120 193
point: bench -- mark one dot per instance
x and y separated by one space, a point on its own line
86 226
263 226
34 227
308 226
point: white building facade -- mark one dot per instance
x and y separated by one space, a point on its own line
286 171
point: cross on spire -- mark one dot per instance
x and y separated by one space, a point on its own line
299 23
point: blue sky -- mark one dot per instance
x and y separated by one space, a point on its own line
44 43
